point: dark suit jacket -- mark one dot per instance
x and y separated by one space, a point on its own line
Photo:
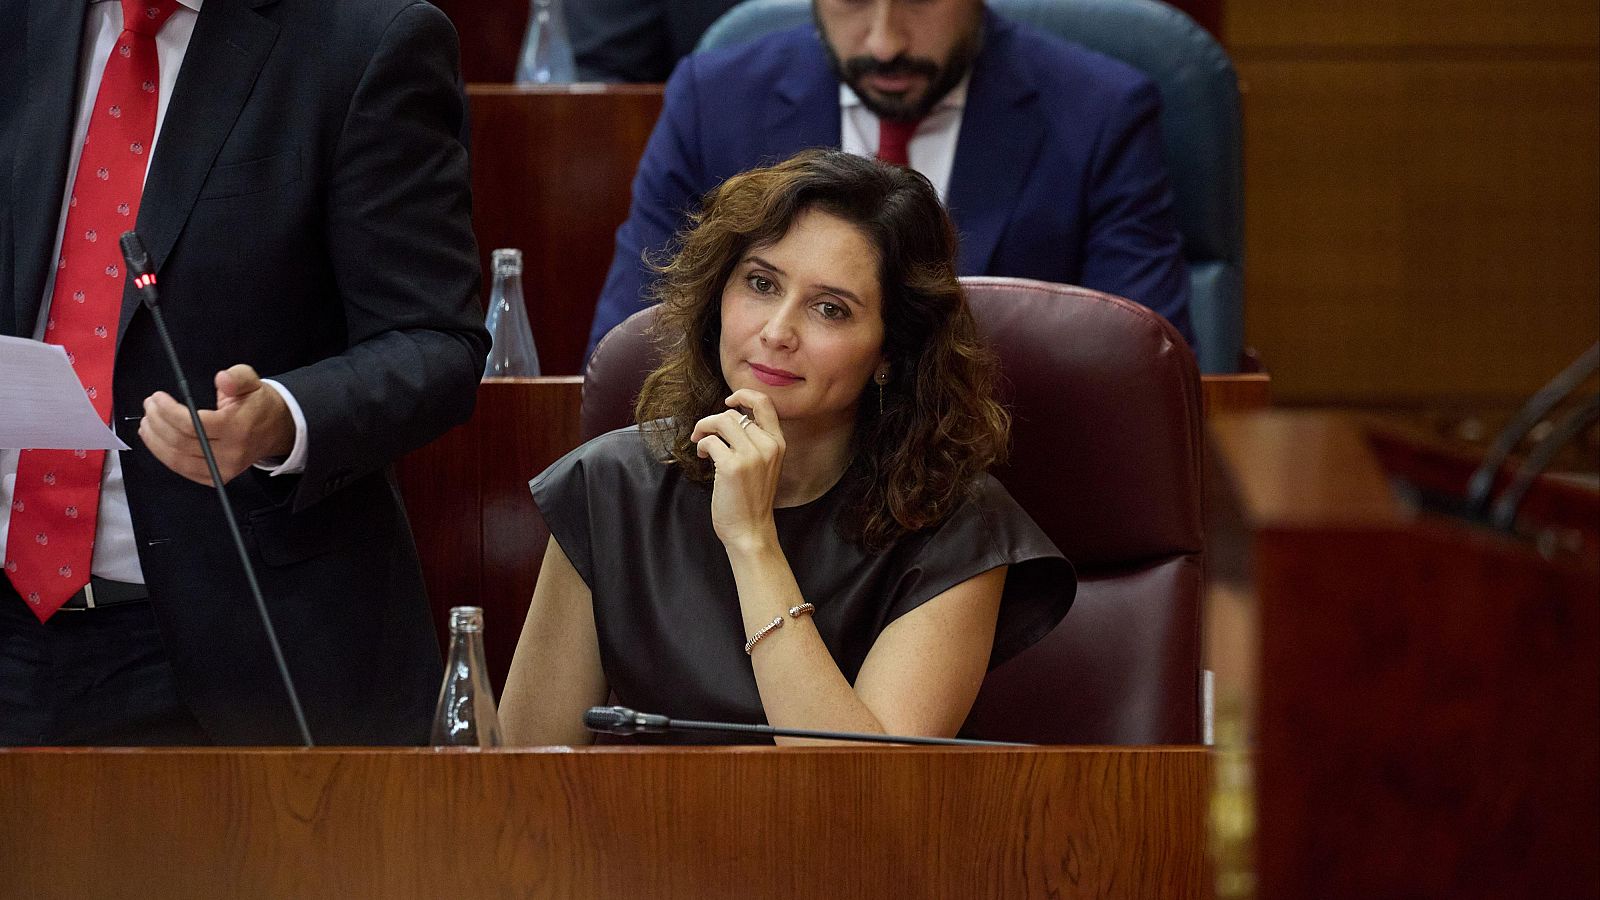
308 212
637 40
1058 172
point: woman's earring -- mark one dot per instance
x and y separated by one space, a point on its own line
881 378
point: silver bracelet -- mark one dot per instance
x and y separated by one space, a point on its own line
774 625
804 609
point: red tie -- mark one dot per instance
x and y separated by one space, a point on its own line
57 497
894 140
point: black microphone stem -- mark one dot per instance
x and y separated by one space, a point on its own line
853 736
1480 487
625 721
1505 508
147 292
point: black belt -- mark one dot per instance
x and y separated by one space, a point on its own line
102 592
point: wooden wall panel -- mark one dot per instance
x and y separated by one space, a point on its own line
1420 230
1422 198
1366 24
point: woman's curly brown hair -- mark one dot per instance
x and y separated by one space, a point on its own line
940 426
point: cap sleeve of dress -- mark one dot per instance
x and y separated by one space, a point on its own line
563 494
988 530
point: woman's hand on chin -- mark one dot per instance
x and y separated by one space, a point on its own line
747 451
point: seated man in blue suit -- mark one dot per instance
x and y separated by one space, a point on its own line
1047 155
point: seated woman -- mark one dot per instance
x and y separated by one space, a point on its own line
800 529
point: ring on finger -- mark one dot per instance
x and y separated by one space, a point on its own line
745 421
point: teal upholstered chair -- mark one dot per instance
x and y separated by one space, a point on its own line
1199 124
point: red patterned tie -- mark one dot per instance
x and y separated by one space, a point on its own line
57 498
894 140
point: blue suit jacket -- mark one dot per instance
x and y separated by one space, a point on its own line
1058 172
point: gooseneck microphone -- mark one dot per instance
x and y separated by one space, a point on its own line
1504 515
1480 487
144 282
622 720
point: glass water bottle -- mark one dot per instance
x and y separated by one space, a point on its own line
546 51
512 353
466 715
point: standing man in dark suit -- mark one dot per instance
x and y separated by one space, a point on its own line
1048 155
295 169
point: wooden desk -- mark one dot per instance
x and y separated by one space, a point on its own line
604 822
1422 696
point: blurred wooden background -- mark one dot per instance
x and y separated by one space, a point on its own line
1422 191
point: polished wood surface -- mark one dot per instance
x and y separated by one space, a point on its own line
614 822
1235 393
1330 476
552 170
1425 691
480 536
1422 196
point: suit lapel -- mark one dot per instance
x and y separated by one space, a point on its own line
806 113
230 45
1001 135
39 172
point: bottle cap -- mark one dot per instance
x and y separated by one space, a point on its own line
506 261
466 618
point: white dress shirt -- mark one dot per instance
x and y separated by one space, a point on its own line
932 150
115 551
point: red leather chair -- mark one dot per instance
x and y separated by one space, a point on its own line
1106 456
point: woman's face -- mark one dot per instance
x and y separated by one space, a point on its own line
802 321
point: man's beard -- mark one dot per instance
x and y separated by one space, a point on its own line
940 78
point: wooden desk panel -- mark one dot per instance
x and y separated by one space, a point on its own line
479 535
605 822
1424 692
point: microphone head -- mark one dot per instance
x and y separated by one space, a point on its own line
133 253
610 719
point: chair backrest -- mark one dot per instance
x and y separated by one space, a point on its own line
1106 457
1200 126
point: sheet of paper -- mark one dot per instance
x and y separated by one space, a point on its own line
42 405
